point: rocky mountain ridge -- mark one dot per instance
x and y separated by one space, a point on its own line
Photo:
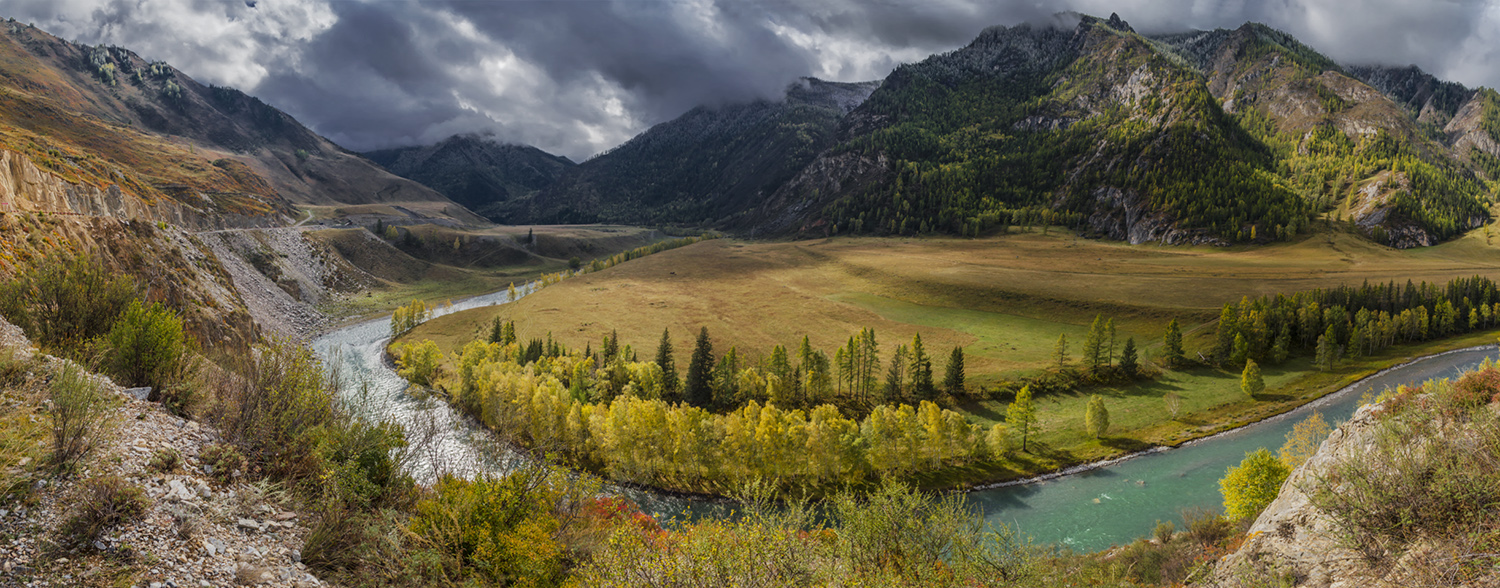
1085 122
474 170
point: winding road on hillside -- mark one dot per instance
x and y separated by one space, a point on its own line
1086 509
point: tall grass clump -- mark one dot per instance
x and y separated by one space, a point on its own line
80 411
66 301
1432 480
23 437
282 412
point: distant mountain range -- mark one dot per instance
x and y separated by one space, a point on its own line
476 171
1222 136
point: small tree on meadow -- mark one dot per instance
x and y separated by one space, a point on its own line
1251 381
1096 417
1060 352
1021 416
1172 344
953 378
1130 361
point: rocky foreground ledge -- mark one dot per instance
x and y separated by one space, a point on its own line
194 533
1294 543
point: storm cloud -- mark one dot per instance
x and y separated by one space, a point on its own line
576 77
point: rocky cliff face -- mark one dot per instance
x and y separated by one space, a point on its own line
25 188
1294 543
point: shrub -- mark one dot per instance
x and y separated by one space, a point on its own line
1164 531
1426 479
1251 486
502 530
222 462
274 405
101 503
164 461
80 412
65 301
148 348
365 471
1205 527
419 363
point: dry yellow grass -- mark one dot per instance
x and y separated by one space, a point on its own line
1006 299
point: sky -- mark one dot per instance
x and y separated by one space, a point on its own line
577 77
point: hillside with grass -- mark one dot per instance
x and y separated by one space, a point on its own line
708 166
105 116
475 171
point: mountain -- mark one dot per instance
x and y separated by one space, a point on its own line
708 165
474 170
105 116
1223 136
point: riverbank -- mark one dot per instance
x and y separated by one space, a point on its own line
1306 387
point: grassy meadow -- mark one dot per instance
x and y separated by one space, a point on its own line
1005 300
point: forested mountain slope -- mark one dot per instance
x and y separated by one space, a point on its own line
475 171
710 165
103 115
1222 136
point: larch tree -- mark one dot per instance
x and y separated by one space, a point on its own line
953 377
1021 416
1096 417
700 375
1303 440
1060 352
1109 330
671 386
1093 346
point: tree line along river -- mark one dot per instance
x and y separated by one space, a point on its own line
1085 510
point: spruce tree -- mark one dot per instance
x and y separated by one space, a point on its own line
700 375
1096 417
1250 380
1171 344
895 376
953 378
671 387
920 370
497 331
1129 358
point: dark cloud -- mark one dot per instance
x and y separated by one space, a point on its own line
579 76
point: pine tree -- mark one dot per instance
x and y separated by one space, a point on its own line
1171 344
1060 352
700 375
1250 380
1021 415
1228 327
1129 361
1283 345
671 387
953 378
1096 417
